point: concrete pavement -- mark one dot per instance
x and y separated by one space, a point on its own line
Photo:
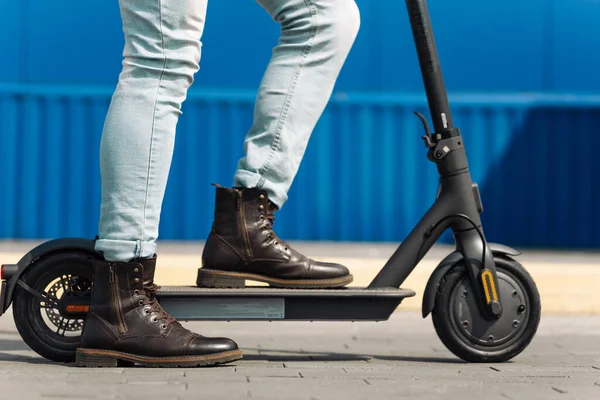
400 358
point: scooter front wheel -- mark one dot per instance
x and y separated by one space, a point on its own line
466 333
43 318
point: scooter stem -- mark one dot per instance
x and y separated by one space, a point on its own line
430 65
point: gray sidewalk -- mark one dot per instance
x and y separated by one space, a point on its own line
400 358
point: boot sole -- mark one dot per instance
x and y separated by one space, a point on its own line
96 358
225 279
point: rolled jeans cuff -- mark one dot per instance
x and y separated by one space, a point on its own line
250 180
124 250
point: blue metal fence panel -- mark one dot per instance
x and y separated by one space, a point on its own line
364 178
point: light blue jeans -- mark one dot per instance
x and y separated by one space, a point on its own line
161 56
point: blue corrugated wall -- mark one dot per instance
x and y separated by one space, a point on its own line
365 176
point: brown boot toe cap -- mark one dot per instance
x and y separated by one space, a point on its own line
205 345
323 270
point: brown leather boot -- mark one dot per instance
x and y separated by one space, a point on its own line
126 325
243 246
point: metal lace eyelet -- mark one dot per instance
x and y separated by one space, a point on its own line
163 326
262 197
146 312
136 292
153 319
261 207
262 217
141 302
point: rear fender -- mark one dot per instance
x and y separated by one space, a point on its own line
46 248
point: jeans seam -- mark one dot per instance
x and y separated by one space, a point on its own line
158 88
291 92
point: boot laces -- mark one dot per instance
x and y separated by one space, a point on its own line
155 307
270 217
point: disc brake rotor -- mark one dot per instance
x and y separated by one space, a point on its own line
65 285
490 335
53 314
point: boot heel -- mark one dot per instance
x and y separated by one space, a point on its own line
87 359
212 279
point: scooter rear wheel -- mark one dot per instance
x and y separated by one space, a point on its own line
461 327
41 322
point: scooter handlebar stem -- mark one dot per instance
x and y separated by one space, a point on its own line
431 69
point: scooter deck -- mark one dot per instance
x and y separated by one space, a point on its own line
189 303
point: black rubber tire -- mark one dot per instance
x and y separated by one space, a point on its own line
29 322
456 343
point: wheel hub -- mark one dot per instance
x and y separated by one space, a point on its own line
484 333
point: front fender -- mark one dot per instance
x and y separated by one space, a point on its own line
52 246
446 265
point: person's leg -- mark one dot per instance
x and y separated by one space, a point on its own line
161 56
316 37
126 323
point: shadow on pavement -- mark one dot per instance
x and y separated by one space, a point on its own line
26 359
271 355
295 356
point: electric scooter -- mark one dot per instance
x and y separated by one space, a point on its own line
485 306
